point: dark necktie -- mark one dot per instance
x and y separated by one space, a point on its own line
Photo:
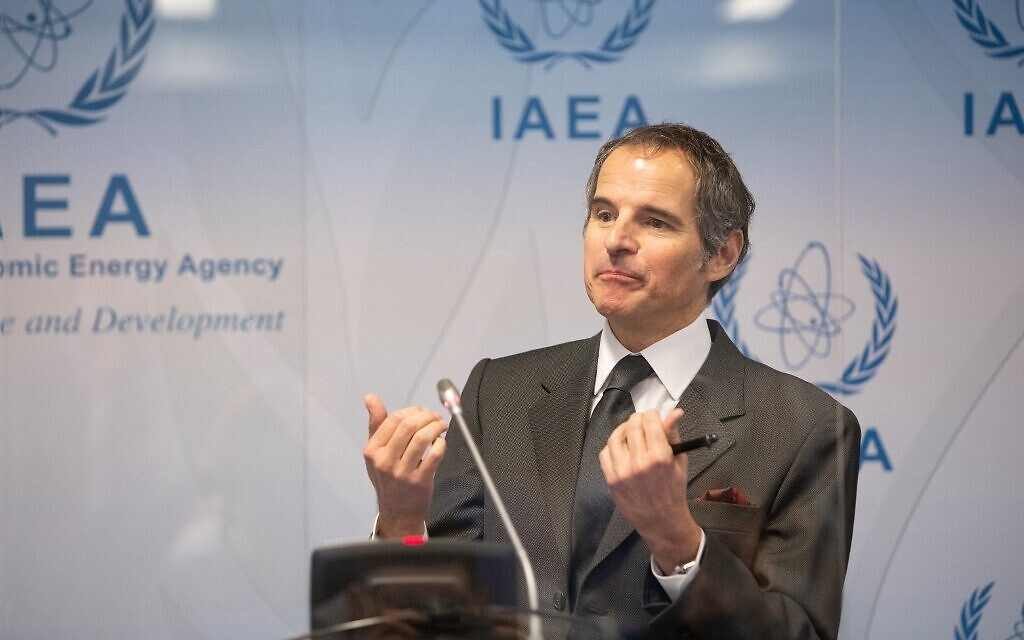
594 504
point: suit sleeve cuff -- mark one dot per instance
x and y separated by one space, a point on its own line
675 585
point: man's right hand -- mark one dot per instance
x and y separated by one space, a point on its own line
401 475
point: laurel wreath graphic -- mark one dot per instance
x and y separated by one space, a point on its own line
511 36
970 613
107 84
985 32
862 368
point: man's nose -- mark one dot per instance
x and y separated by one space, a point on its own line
621 237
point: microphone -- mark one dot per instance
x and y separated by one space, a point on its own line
452 401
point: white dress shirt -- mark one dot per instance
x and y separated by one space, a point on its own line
675 359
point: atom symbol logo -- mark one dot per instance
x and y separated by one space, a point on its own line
809 317
33 33
559 17
805 317
37 48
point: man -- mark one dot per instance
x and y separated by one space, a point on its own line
746 539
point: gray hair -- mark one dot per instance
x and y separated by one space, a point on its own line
722 202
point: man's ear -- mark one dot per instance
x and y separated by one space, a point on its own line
724 260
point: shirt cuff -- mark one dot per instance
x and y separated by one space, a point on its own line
373 536
674 586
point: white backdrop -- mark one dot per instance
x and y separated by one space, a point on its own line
224 221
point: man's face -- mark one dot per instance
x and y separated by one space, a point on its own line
642 253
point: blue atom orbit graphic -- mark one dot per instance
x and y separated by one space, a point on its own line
561 16
805 317
32 32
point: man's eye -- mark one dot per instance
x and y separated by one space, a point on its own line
655 223
603 215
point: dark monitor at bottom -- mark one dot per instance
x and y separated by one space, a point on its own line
449 586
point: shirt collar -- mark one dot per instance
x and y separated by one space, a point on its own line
676 358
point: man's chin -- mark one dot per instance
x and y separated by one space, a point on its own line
613 312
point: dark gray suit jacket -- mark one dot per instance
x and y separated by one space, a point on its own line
774 570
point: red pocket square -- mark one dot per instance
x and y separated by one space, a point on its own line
729 495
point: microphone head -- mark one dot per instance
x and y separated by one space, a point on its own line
449 394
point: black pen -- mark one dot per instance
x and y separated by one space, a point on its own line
705 440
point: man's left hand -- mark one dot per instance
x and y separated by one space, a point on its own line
648 485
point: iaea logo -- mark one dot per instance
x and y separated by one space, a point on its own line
987 34
806 315
972 610
990 37
32 36
563 21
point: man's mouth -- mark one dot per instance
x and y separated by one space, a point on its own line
618 275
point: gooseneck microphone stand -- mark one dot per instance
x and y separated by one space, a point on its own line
452 401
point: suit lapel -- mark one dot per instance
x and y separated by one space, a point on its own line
558 422
699 420
714 394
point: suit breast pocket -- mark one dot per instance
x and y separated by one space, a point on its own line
736 526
